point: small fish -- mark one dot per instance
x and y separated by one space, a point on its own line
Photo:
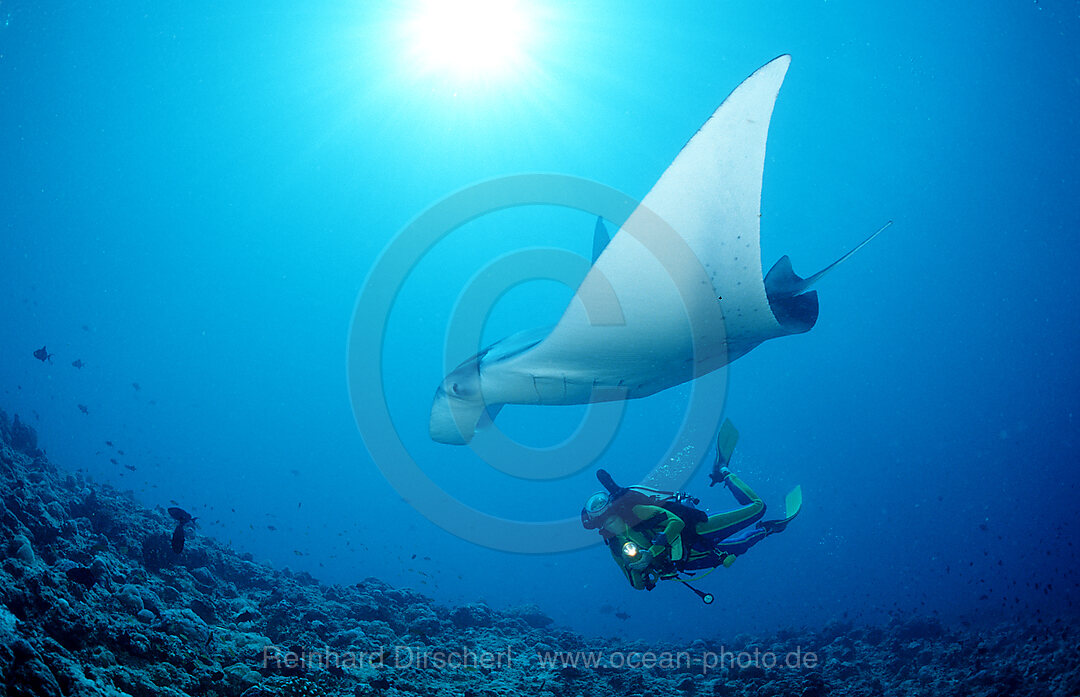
180 515
246 616
119 452
42 354
81 575
83 408
178 539
137 386
77 363
271 528
109 443
113 460
130 467
622 615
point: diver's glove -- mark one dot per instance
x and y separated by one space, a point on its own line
643 562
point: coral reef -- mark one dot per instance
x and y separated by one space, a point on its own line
96 602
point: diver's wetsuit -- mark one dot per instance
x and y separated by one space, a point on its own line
664 534
643 524
721 531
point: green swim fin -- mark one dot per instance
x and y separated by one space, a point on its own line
793 502
792 506
725 442
725 448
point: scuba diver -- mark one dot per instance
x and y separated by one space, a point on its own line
660 535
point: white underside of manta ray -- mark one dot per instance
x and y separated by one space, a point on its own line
678 291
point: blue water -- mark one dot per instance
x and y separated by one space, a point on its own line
193 195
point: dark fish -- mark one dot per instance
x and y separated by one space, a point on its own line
82 408
180 515
43 355
109 443
136 386
119 452
246 616
113 460
81 575
77 363
622 615
178 538
130 467
271 528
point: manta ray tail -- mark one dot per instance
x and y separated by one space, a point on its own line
794 308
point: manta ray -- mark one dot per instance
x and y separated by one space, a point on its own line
677 292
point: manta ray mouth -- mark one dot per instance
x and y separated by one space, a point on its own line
453 419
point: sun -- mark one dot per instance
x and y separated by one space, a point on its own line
469 40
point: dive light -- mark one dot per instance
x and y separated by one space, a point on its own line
630 550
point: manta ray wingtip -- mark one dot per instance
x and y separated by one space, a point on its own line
784 59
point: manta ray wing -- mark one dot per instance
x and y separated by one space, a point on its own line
685 268
677 292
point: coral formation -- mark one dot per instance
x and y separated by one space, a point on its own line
95 602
